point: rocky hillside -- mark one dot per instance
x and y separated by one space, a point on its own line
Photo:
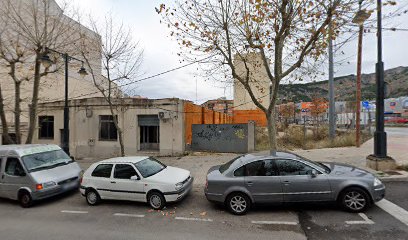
345 87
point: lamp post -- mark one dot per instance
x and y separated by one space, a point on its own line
47 62
380 136
379 160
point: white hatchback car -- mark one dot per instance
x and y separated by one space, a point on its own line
142 179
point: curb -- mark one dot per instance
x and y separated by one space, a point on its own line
394 178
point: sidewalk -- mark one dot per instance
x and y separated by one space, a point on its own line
199 163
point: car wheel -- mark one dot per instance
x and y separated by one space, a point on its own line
238 203
25 199
355 200
156 200
92 197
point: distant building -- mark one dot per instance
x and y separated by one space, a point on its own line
259 83
222 105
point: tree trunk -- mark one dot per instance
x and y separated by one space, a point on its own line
270 116
6 136
119 129
34 100
17 111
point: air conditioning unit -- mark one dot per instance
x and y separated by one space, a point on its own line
164 115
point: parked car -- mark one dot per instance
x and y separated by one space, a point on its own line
397 120
142 179
286 177
33 172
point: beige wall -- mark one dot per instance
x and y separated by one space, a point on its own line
83 128
259 83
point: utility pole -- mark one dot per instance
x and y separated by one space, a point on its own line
358 92
332 113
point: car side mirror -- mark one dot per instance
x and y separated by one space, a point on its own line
135 178
314 173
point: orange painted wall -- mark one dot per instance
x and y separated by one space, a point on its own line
244 116
194 114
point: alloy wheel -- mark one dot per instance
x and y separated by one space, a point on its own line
355 200
92 197
238 204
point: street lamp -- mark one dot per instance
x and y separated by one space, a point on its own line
47 62
380 160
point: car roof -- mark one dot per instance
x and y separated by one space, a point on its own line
280 154
130 159
26 149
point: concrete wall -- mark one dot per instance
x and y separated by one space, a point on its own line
84 130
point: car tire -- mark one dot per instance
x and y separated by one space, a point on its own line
238 203
92 197
25 199
355 200
156 200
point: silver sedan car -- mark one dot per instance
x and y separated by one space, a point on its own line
287 177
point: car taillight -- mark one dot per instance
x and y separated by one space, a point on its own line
80 180
39 187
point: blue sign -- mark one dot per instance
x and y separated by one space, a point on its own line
366 104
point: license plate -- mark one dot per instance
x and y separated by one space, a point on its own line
69 185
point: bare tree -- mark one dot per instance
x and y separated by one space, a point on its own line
121 58
287 34
31 26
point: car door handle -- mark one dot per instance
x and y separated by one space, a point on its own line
286 182
250 183
113 182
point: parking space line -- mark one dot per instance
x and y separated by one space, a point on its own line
193 219
394 210
363 216
274 222
74 212
128 215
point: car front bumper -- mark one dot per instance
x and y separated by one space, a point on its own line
180 194
378 193
50 192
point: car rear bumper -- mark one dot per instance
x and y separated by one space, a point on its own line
214 197
179 195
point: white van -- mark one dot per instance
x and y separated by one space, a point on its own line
33 172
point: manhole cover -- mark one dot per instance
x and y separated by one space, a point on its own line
393 173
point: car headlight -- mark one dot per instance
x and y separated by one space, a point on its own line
179 186
377 182
49 184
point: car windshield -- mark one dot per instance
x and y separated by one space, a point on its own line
224 167
45 160
149 167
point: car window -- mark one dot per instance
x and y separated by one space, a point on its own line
225 166
240 172
292 167
149 167
261 168
102 170
124 171
14 167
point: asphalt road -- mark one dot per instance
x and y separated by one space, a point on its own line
69 217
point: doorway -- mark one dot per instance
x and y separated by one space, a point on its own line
149 126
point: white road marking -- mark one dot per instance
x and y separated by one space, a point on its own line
394 210
193 219
363 216
274 222
75 212
129 215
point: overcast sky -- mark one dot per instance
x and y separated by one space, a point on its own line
160 50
